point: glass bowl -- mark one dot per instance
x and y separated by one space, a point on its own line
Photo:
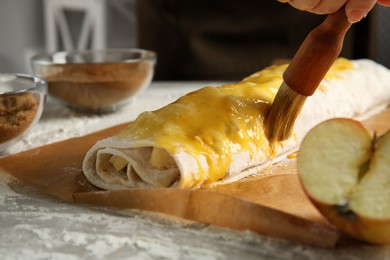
22 99
95 81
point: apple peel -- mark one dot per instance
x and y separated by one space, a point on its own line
346 174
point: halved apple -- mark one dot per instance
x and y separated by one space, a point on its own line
346 174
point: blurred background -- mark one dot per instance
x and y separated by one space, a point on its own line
194 39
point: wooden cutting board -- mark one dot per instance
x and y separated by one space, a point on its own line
270 203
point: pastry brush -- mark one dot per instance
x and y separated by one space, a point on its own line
304 73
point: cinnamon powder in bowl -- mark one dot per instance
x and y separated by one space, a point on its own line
95 81
21 105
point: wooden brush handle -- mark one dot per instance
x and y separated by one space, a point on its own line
317 54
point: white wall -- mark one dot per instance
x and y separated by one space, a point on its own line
21 32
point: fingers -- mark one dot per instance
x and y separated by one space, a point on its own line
317 6
358 9
306 5
354 9
384 2
327 7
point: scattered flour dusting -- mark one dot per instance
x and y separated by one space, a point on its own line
34 226
5 191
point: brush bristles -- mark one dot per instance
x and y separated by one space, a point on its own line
281 117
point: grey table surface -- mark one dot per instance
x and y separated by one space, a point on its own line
36 226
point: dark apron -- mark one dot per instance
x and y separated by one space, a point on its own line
220 39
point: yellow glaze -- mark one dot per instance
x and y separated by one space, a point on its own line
217 122
292 156
340 65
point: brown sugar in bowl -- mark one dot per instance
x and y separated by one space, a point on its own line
95 81
22 100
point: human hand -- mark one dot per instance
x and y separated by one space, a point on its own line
354 9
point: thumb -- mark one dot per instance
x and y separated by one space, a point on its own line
356 10
384 2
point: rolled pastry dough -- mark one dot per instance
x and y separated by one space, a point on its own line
216 135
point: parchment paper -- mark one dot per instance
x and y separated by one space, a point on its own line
270 203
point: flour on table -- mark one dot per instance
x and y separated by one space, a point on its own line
34 226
